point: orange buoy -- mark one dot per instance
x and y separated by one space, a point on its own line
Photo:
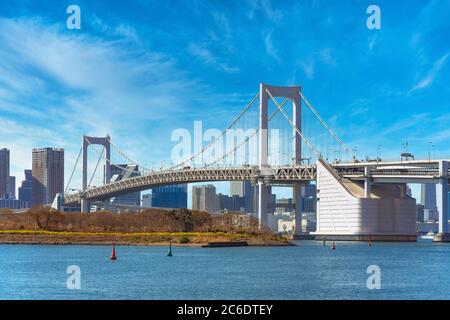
113 254
333 247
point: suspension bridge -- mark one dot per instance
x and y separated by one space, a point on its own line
356 199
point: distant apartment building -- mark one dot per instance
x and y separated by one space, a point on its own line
284 205
172 196
4 171
420 213
12 203
48 175
25 193
428 200
309 198
233 203
12 187
309 201
223 201
309 204
204 198
147 200
245 190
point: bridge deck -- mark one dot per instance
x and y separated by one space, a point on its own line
406 171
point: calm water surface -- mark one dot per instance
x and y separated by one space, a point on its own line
309 271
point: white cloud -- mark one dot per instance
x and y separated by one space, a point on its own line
121 30
265 6
326 57
207 57
308 68
406 123
428 79
270 48
273 14
81 84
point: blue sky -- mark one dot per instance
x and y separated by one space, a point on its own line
140 69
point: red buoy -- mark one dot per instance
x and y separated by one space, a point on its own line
113 254
333 247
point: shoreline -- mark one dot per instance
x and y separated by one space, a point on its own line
186 239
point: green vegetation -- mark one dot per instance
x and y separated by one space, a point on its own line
183 240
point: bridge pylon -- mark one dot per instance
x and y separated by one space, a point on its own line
103 141
443 189
292 93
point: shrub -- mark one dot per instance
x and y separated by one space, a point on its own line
184 240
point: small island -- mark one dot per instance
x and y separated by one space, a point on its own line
41 225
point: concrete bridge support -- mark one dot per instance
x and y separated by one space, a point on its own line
442 190
85 205
298 199
367 182
346 212
263 203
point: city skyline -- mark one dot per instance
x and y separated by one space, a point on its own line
143 79
231 158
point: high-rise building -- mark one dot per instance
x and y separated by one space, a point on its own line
237 188
234 203
310 190
12 203
309 195
245 190
284 205
204 198
173 196
420 213
428 200
48 174
4 171
25 189
147 200
12 187
122 172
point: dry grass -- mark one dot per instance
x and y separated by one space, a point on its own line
149 221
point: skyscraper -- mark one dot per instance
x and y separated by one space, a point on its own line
12 187
204 198
309 201
428 200
245 190
173 196
234 203
237 188
25 188
4 171
48 174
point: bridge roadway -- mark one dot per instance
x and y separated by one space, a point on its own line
415 171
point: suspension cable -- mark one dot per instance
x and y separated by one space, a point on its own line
115 165
318 154
126 157
335 136
73 171
221 135
248 137
96 166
